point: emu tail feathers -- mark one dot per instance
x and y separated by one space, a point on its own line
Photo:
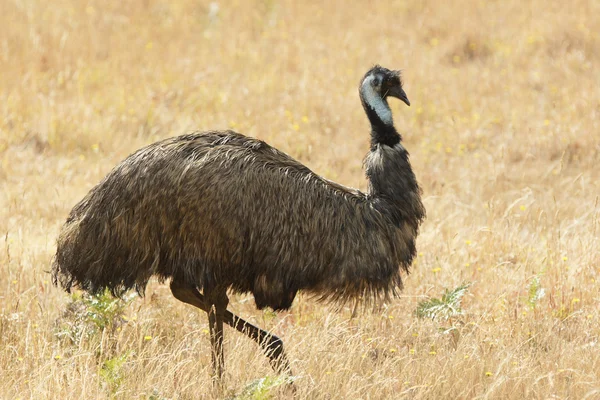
94 262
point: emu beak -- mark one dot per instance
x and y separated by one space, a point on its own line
398 93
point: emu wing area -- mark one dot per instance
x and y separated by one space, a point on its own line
221 209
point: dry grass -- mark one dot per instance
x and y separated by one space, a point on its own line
504 134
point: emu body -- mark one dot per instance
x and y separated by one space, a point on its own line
219 211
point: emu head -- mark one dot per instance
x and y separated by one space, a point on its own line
382 82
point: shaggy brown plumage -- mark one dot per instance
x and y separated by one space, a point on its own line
222 210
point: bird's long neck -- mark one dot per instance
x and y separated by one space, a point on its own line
380 116
393 188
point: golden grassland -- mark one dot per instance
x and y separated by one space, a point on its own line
504 135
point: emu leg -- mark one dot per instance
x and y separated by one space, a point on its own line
216 342
218 301
214 308
271 344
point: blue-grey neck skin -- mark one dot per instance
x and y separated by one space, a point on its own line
379 114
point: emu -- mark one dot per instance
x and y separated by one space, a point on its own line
219 212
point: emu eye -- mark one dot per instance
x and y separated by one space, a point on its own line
376 81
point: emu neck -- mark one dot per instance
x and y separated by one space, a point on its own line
393 188
380 116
